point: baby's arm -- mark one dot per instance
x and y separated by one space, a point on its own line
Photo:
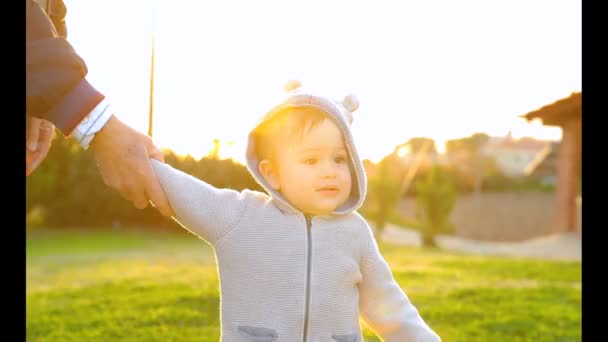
383 304
206 211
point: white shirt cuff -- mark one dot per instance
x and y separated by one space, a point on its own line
92 123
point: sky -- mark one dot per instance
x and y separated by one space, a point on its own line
439 69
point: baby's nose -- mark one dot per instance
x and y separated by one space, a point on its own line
328 170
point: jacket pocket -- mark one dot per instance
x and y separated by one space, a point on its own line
346 338
257 334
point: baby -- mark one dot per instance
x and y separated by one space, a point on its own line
298 264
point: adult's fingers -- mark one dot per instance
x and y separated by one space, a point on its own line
134 191
33 131
156 153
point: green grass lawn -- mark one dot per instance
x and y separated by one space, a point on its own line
155 286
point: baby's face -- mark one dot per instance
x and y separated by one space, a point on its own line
313 174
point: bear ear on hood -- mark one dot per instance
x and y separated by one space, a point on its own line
292 85
351 104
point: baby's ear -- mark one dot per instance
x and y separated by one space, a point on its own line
270 174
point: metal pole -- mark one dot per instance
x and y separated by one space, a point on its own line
151 113
151 109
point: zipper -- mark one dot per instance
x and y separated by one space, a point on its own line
308 256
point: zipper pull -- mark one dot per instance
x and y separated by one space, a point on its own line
308 221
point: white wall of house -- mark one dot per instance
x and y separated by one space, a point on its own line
513 162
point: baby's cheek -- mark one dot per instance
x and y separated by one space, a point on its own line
348 179
348 186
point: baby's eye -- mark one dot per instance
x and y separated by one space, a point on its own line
310 161
340 159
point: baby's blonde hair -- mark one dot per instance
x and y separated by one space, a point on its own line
283 128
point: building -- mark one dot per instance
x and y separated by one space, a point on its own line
567 114
544 167
513 156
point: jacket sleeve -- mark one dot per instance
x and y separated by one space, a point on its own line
56 88
206 211
383 304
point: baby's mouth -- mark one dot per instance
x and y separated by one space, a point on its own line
328 190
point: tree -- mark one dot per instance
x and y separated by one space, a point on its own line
383 194
418 144
465 154
435 198
421 153
215 151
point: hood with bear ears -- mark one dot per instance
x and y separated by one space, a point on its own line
341 112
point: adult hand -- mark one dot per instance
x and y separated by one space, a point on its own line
38 140
122 155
